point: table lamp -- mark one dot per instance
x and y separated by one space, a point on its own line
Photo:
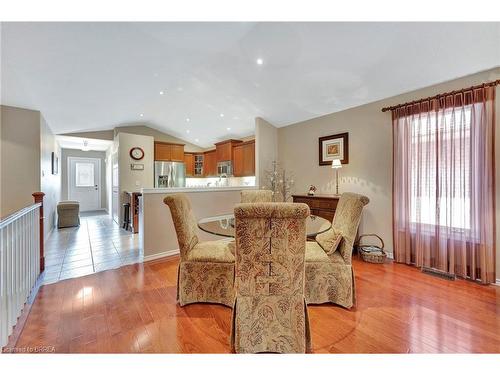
336 165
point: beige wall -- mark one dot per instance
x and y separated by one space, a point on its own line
134 180
157 135
369 170
20 158
131 180
157 229
66 153
266 148
50 183
106 135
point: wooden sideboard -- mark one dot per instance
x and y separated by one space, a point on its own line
320 205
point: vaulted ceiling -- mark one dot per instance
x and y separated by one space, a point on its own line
203 82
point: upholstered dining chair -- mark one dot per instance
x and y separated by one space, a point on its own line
206 269
329 272
270 313
256 196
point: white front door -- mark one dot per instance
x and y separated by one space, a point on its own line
84 182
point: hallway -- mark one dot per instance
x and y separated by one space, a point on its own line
98 244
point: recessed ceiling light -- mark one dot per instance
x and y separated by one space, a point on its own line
260 61
188 131
221 115
196 140
142 115
161 93
188 119
228 128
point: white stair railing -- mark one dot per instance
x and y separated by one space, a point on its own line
19 264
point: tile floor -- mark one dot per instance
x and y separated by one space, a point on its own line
98 244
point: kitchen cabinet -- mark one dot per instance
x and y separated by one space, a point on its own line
224 150
165 151
244 159
198 165
189 162
210 163
238 161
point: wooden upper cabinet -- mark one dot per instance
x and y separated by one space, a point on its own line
162 152
249 159
238 161
189 161
165 151
224 150
244 159
210 163
177 152
198 164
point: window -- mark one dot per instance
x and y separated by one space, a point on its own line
440 160
84 174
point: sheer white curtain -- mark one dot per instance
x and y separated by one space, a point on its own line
444 214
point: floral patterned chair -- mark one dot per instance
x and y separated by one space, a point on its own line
329 273
206 269
256 196
270 313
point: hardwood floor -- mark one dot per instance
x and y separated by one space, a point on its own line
133 309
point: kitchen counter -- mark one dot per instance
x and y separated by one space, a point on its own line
195 189
156 229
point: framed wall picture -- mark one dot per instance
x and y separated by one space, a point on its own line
55 163
334 147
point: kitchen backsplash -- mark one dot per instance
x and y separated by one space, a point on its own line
218 182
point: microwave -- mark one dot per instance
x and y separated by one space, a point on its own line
225 167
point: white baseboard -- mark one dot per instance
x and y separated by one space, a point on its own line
164 254
497 283
49 234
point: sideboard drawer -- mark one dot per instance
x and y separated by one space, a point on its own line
302 200
320 205
329 204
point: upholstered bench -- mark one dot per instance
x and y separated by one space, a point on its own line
68 214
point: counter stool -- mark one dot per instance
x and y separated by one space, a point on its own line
126 216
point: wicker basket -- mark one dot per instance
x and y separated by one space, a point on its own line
371 253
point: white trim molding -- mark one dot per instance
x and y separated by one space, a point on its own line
163 254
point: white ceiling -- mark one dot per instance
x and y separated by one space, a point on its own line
95 76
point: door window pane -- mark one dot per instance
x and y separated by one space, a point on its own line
84 173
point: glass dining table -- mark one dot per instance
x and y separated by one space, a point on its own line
223 225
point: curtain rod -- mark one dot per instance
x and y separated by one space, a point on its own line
488 84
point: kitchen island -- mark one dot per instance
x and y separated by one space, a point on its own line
156 229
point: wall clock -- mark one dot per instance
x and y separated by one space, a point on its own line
136 153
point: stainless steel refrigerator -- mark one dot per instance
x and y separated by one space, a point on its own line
169 174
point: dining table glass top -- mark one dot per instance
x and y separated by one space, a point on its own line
223 225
